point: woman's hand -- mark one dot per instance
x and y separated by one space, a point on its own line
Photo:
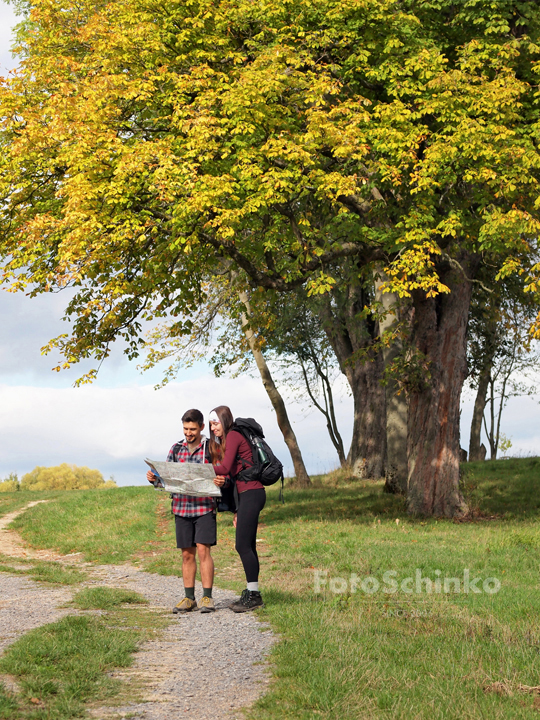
219 480
234 519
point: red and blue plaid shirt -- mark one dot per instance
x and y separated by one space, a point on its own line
187 505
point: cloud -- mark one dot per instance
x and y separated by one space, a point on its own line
8 20
29 323
114 423
519 423
113 429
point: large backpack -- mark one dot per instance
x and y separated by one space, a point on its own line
266 467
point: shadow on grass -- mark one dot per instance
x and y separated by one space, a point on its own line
281 598
360 502
509 489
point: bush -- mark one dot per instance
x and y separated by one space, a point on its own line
10 484
64 477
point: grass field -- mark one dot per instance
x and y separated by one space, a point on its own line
361 652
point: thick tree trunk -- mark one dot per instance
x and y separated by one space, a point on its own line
475 451
439 334
302 477
367 453
396 442
354 340
396 404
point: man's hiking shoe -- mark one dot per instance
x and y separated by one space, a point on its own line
249 600
184 606
206 604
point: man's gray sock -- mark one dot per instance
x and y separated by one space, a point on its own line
190 592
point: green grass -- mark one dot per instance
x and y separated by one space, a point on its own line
105 598
50 572
504 487
11 501
355 654
56 574
8 703
108 526
63 665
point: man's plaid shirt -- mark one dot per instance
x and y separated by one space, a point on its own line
186 505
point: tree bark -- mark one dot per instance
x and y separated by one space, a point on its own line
353 338
396 404
475 453
439 336
367 453
302 477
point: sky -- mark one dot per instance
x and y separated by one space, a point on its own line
120 419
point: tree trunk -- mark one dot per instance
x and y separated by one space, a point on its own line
396 404
367 453
302 477
353 337
475 453
439 336
328 409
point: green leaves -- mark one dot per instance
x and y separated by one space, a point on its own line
143 143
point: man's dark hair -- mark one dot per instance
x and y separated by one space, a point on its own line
193 415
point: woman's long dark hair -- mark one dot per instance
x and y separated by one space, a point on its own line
217 445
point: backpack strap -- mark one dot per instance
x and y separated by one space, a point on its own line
254 458
206 452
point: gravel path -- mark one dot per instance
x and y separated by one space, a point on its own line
25 604
202 666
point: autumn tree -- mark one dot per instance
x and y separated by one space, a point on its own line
309 144
64 477
224 334
10 483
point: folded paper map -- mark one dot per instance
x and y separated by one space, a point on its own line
196 479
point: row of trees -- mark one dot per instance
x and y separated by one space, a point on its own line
375 163
60 477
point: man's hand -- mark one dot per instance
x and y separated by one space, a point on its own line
219 480
234 519
150 476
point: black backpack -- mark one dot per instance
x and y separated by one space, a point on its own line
266 468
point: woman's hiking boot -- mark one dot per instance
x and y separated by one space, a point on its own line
185 605
249 600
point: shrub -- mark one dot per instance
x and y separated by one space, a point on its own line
64 477
10 484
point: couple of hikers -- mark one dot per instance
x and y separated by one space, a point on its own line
195 517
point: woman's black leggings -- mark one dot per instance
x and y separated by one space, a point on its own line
250 504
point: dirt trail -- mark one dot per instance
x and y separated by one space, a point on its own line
12 544
203 666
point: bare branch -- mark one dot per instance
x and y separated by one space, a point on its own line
457 266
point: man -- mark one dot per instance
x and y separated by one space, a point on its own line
195 519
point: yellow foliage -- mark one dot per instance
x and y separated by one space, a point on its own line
143 142
64 477
9 486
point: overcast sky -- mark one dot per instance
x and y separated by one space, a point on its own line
120 419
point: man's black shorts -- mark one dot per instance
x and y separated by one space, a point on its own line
201 529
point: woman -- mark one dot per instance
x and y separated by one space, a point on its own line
231 453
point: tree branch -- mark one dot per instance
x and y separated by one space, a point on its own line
272 281
457 266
